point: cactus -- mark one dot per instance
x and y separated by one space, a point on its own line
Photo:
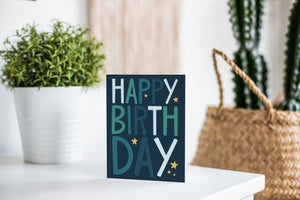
292 62
247 57
259 6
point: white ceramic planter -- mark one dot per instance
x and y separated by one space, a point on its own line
52 122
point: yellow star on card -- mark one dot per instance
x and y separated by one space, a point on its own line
175 99
174 165
134 141
169 172
146 95
174 174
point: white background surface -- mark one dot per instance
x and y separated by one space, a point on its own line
86 180
204 25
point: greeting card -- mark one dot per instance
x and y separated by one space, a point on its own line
146 127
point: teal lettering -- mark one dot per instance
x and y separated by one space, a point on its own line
166 117
115 141
144 150
117 119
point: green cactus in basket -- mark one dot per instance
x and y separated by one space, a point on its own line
245 16
292 62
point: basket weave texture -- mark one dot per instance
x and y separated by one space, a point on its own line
259 141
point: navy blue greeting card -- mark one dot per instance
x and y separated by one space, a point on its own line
146 127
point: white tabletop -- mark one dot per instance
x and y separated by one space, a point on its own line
87 180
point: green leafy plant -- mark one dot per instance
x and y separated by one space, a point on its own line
246 19
62 57
292 63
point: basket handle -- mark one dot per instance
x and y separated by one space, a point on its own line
248 81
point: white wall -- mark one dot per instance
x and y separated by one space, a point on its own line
276 18
204 25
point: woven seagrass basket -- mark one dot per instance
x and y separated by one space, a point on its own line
259 141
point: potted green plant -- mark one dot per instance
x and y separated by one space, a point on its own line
49 73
